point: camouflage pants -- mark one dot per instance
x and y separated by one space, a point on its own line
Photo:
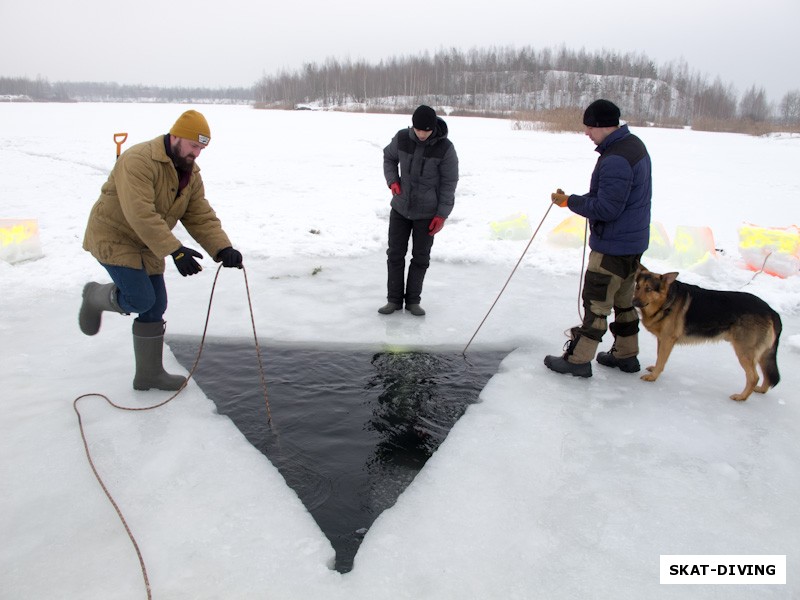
608 284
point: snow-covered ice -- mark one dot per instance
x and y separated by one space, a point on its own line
551 487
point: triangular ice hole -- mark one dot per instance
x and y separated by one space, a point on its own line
351 426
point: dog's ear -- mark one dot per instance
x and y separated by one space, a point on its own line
668 278
640 268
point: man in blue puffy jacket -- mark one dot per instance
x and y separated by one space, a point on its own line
618 209
421 168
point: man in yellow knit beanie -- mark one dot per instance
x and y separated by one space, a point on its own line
152 186
191 125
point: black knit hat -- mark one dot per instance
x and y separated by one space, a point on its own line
601 113
424 118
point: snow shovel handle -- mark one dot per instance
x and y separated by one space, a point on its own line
119 139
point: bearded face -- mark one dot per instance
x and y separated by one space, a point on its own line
184 152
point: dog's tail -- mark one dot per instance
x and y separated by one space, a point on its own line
769 361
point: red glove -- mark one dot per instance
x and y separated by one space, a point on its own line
559 198
395 187
436 225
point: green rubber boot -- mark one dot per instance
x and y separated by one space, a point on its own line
97 298
148 348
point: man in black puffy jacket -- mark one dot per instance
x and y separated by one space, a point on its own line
421 168
618 209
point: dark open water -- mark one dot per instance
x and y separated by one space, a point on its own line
351 427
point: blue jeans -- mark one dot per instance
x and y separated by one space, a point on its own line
140 293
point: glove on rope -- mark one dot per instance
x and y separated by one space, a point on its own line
185 261
559 198
230 257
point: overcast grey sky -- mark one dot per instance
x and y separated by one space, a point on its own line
214 43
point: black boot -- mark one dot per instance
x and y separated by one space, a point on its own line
389 308
148 348
577 358
560 364
415 309
626 365
623 354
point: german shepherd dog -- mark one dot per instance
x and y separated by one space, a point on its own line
680 313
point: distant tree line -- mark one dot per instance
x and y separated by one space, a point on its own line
490 81
503 80
41 90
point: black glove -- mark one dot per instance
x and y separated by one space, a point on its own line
230 257
185 261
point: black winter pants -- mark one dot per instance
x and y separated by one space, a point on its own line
400 230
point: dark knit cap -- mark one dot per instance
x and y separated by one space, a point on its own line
601 113
424 118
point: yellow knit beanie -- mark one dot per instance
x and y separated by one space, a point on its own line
192 126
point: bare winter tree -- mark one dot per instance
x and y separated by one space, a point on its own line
716 101
753 105
789 108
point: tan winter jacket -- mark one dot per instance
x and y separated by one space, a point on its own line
131 223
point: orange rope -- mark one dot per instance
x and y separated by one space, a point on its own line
547 212
154 406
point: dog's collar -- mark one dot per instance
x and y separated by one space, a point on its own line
666 309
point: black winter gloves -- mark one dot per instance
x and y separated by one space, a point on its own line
185 261
187 265
229 257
